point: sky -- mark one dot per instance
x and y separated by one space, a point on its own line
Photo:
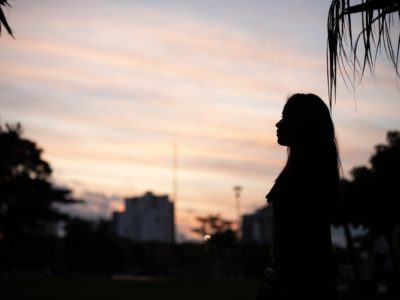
106 88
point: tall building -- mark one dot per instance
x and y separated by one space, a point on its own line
149 218
257 227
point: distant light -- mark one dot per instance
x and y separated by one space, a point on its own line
382 288
207 237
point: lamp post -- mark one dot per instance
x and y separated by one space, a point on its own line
238 190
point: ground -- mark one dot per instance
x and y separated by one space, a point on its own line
107 289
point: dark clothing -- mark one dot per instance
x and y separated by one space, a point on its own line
302 259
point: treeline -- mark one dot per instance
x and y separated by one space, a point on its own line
91 249
31 244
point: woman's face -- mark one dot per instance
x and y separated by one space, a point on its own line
284 131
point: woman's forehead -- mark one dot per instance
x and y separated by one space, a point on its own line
285 111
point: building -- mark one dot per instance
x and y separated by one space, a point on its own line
257 227
149 218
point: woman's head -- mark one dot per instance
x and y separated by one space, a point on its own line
306 122
306 128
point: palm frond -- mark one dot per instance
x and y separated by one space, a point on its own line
379 19
3 19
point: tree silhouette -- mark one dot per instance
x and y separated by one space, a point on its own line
379 20
219 229
3 19
222 252
385 209
372 197
345 215
27 197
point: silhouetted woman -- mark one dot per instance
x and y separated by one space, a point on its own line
302 199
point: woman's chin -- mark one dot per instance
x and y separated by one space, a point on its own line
282 142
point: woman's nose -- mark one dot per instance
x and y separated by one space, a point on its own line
277 124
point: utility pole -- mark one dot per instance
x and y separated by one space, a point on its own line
175 174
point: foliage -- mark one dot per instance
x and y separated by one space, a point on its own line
219 229
371 197
3 19
378 20
27 197
374 190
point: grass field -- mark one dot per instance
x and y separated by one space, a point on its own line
99 289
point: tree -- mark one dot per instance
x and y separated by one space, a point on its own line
372 197
345 215
385 167
27 197
379 21
3 19
223 257
218 229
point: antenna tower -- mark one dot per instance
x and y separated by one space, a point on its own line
175 174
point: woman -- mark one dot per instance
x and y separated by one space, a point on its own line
301 199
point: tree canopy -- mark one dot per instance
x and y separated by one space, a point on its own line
219 229
374 189
371 198
27 196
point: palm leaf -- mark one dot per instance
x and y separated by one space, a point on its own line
379 18
3 19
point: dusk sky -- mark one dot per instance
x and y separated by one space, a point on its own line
107 87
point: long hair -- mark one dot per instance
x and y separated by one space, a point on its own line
313 150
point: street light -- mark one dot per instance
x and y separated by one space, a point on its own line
238 190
